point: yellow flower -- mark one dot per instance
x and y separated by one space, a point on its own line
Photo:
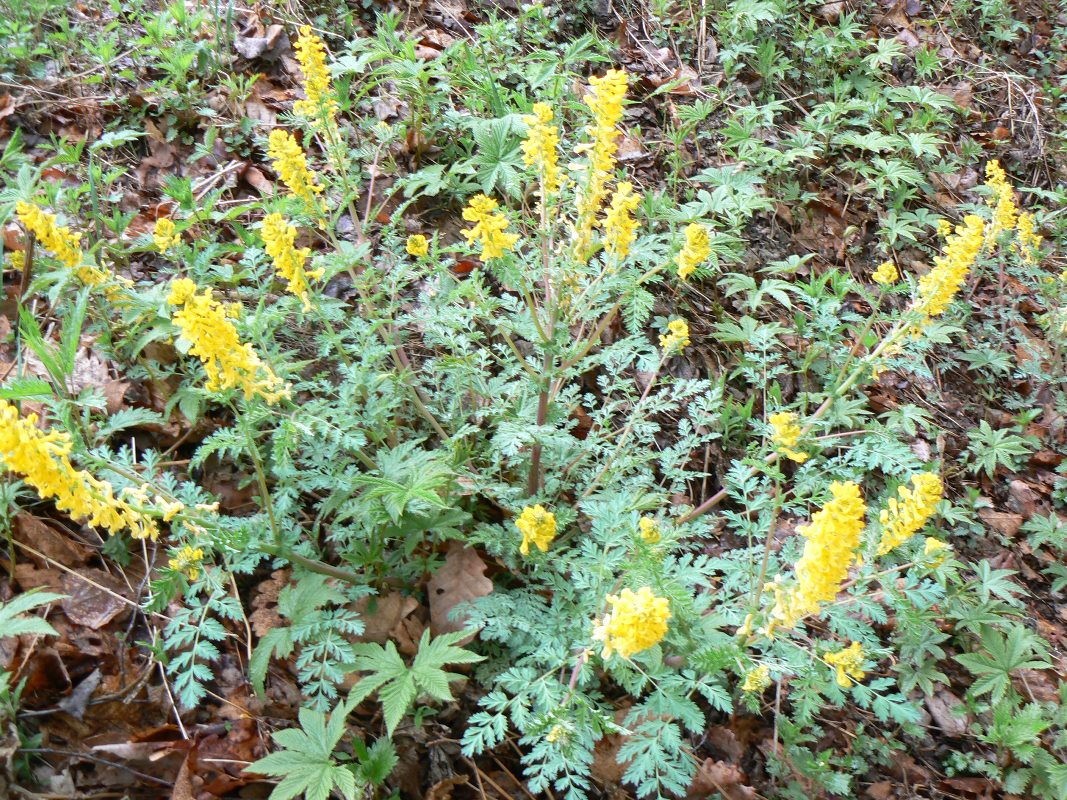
60 241
43 460
903 518
17 260
538 526
319 107
939 286
649 529
280 240
187 560
1063 276
165 234
605 102
228 362
832 537
695 251
489 228
886 274
554 734
1005 211
849 663
637 621
619 226
417 245
540 149
1026 241
756 680
944 228
678 338
786 435
291 165
935 550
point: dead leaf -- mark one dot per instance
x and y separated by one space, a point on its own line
381 615
270 46
942 707
459 580
442 790
49 542
718 776
1002 522
89 606
255 178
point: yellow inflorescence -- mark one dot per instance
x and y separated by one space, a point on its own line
849 664
417 245
165 234
1005 212
291 164
886 274
280 240
17 260
187 560
939 286
43 460
756 680
637 621
695 251
1026 240
832 537
649 530
60 241
319 107
905 517
604 99
677 338
935 551
540 149
489 228
229 362
786 434
537 526
620 229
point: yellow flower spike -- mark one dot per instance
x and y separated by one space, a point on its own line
944 228
17 260
605 98
757 680
290 163
903 518
165 234
187 560
319 107
886 274
649 530
228 362
849 664
637 621
280 240
832 538
1027 241
540 149
417 245
677 338
489 228
537 526
619 225
786 434
695 251
935 550
939 286
60 241
1005 212
43 460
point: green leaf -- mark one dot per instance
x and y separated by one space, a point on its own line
13 624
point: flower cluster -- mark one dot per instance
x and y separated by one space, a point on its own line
637 621
540 148
43 460
489 228
619 225
886 274
187 560
292 167
280 240
319 107
935 551
939 286
417 245
165 234
60 241
905 517
229 362
604 99
849 664
1026 240
677 338
786 434
1005 212
832 537
695 251
537 526
649 530
756 680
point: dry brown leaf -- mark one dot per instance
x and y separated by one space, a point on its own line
49 542
381 615
718 776
89 606
460 579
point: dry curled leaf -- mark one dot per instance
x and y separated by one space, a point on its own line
460 580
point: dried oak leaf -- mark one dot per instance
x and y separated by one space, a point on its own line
459 580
